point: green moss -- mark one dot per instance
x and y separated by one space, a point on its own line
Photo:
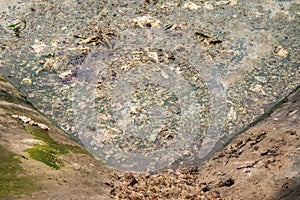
46 155
50 152
4 96
3 80
13 180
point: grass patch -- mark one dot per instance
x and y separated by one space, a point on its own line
50 152
46 155
13 180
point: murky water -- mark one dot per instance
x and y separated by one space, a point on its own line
144 85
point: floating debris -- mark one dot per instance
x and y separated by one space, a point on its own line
259 89
190 5
68 75
18 27
206 38
146 22
99 37
38 46
52 64
232 115
176 26
153 56
208 6
280 51
26 81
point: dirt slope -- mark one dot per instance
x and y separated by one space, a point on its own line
261 163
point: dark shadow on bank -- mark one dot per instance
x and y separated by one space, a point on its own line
290 190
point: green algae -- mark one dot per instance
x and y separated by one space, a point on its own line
49 152
13 179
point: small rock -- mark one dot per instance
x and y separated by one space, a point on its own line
43 126
31 141
229 182
206 188
31 122
76 166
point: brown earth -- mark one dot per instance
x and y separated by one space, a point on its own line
261 163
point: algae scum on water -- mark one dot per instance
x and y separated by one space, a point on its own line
143 84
